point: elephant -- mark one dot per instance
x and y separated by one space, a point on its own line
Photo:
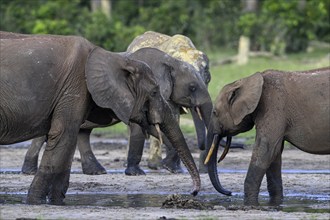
50 85
182 48
283 106
179 84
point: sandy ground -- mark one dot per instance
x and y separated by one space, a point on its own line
113 156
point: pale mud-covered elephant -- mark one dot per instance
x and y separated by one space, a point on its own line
182 48
283 106
51 84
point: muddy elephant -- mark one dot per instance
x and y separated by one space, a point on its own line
181 48
51 84
283 106
179 84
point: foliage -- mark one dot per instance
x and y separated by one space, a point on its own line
278 26
286 26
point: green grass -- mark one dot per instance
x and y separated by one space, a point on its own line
224 74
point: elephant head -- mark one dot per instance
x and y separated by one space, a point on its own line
132 81
232 114
178 81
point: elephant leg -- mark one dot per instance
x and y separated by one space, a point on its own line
90 165
135 150
172 160
52 177
265 152
202 156
274 181
30 165
155 154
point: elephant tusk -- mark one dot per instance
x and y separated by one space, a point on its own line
209 153
224 153
199 113
159 134
185 110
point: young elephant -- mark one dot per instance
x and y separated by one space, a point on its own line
283 106
51 84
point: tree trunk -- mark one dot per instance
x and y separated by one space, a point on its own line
102 5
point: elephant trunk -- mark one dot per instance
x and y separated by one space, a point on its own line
213 143
201 116
172 131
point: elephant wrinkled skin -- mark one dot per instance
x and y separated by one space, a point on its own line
51 84
283 106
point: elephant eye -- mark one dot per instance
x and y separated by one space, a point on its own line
215 113
154 93
192 87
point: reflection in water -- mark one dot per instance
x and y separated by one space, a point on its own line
292 203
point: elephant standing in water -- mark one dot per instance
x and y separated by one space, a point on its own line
51 84
283 106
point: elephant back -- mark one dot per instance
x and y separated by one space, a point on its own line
177 46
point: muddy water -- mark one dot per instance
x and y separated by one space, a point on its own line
292 202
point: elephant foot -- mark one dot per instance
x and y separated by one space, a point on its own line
275 200
38 190
134 171
173 167
94 169
91 166
57 199
30 166
250 202
155 163
34 198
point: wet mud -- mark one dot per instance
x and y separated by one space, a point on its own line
161 195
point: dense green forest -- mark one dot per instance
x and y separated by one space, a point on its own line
277 26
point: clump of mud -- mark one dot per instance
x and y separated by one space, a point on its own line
176 201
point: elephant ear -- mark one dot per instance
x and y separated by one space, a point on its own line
108 76
243 99
161 65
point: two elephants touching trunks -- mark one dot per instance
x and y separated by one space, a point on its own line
283 106
50 85
56 86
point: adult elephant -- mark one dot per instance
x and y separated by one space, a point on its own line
179 84
283 106
51 84
181 48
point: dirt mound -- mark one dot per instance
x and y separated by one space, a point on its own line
176 201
